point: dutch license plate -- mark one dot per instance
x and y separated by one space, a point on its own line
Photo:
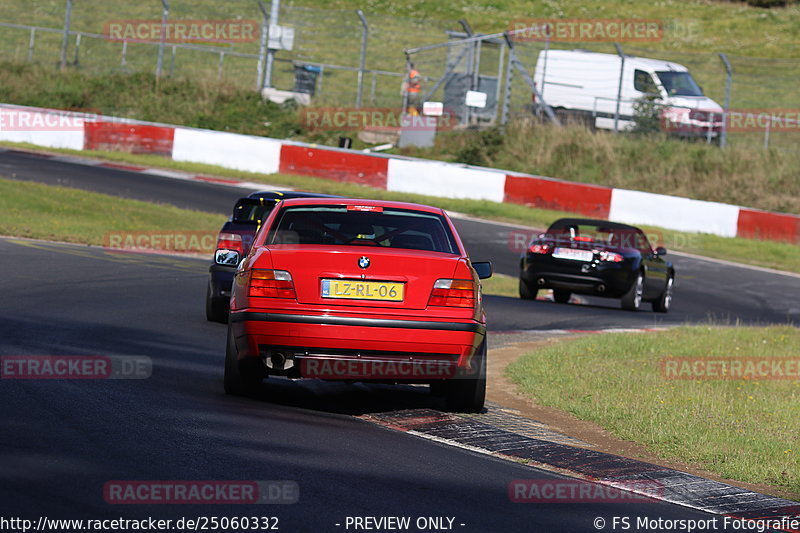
573 254
363 290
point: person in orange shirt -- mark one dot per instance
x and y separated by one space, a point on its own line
413 86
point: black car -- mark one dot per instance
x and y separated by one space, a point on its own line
598 258
233 244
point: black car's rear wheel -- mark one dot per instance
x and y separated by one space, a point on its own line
561 295
632 299
241 377
525 291
216 308
664 302
467 394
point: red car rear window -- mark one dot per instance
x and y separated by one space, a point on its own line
338 225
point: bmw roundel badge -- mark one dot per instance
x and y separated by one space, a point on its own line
363 261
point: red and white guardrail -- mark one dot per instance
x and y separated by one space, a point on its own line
82 131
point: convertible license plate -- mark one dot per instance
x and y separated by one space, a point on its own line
573 254
363 290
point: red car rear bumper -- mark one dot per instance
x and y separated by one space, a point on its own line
359 347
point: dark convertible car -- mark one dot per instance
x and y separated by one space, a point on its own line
598 258
233 244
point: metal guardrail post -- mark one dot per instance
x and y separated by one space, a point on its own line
723 140
619 88
65 39
162 40
363 58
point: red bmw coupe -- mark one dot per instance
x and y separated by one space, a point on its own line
359 290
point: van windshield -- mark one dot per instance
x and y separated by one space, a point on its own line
679 84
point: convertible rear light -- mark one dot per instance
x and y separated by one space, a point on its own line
611 257
230 241
453 293
271 284
539 248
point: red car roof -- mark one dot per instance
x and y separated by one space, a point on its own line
362 201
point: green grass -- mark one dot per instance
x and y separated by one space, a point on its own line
501 285
745 430
62 214
781 256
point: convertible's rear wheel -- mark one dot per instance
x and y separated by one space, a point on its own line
561 295
216 308
632 299
525 291
467 394
664 301
241 377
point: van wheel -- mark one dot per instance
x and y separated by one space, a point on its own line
468 394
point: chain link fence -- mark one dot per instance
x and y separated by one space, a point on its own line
355 60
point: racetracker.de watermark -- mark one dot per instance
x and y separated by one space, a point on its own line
373 119
587 30
187 242
393 370
519 240
730 368
578 491
208 492
75 367
183 31
13 119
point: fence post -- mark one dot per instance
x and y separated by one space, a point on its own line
619 88
77 48
219 68
363 61
262 46
507 92
124 60
766 134
275 9
172 61
31 44
65 39
164 16
499 79
723 140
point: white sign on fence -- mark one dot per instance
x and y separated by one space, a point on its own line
280 37
476 99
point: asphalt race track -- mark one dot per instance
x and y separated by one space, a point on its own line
705 290
62 440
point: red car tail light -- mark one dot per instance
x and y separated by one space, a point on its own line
611 257
230 241
453 293
271 284
539 248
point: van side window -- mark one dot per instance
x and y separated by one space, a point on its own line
643 82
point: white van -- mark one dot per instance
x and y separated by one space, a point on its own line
584 85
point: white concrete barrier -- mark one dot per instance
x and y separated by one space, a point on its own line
672 212
447 180
230 150
41 127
